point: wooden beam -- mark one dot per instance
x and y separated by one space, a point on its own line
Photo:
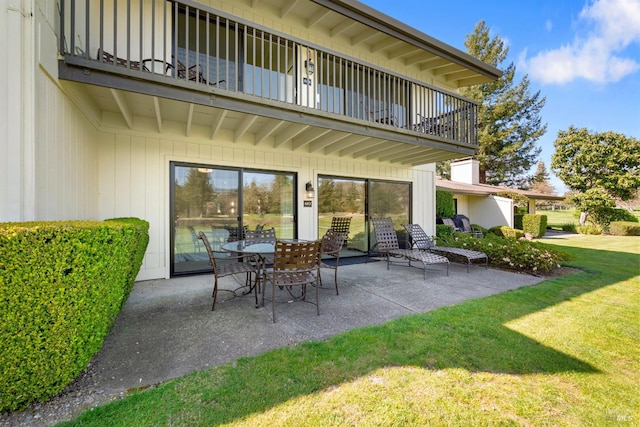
218 119
342 27
317 17
288 133
318 145
267 130
248 121
123 107
308 137
156 106
287 8
189 119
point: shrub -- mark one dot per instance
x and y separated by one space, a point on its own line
571 227
624 228
517 221
444 231
506 232
520 255
623 215
476 227
62 285
445 208
138 242
589 229
536 225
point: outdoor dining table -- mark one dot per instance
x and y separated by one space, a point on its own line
261 248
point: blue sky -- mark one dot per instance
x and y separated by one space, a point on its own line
582 55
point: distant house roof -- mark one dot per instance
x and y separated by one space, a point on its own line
486 189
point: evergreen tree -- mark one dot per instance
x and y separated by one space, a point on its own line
509 116
540 181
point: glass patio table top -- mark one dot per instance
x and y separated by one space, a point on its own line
259 248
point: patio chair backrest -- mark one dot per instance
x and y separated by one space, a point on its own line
332 242
450 223
341 224
418 236
386 237
466 225
210 251
265 235
296 257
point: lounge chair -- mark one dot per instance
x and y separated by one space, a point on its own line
421 241
387 245
450 223
467 227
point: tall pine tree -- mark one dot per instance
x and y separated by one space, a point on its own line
509 116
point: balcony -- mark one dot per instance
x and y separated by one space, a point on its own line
249 79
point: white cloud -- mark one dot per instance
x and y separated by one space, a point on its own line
598 55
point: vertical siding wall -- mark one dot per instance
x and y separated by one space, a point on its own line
134 180
66 156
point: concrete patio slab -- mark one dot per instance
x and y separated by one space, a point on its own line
167 328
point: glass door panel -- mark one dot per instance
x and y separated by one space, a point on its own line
391 199
268 200
344 197
203 199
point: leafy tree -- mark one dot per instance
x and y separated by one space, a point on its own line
509 115
443 169
600 166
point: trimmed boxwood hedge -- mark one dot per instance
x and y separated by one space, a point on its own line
62 285
506 232
534 224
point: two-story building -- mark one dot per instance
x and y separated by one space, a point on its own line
223 114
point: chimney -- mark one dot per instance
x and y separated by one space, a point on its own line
466 171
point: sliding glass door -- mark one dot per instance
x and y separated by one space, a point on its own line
222 202
360 199
268 201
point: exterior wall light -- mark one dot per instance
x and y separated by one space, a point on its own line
309 190
309 66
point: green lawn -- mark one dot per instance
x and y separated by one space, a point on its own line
562 353
557 218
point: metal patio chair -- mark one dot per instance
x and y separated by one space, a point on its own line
341 224
295 265
231 265
332 243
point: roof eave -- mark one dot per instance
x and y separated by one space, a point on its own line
376 19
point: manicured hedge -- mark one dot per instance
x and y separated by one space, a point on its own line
517 221
534 224
624 228
62 285
507 232
445 207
